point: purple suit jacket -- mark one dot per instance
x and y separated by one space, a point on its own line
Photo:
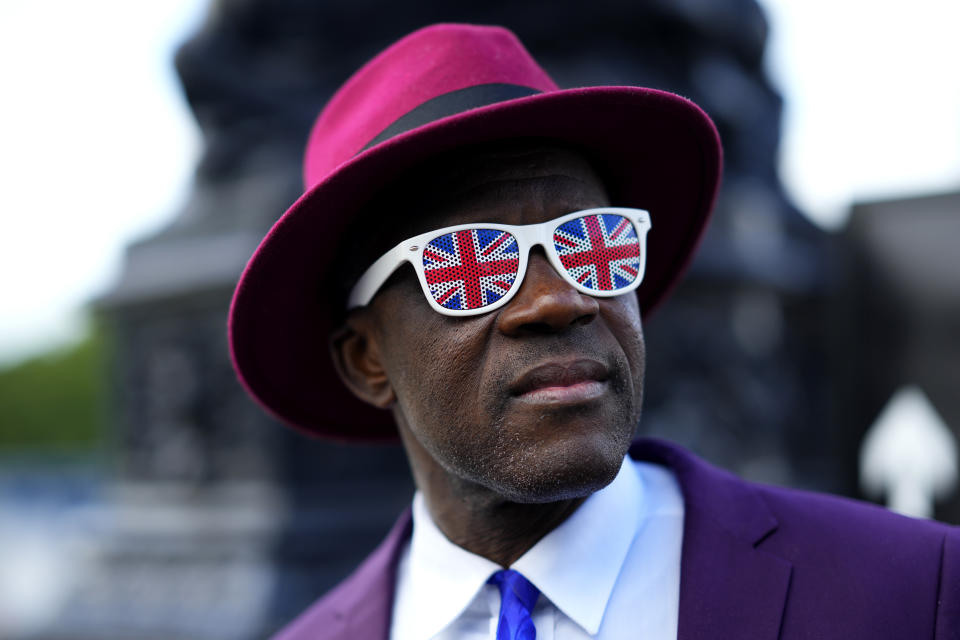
758 562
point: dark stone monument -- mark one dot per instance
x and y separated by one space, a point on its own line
232 524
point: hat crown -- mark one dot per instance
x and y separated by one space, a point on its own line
426 64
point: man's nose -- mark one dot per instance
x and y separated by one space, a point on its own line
545 303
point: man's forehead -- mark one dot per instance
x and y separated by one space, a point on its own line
495 183
509 161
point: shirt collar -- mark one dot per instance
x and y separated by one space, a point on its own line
443 578
576 565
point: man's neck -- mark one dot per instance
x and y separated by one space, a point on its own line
498 530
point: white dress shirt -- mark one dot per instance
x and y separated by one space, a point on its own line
611 570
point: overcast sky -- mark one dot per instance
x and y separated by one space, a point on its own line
97 145
872 99
97 148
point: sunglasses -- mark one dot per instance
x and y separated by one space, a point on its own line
470 269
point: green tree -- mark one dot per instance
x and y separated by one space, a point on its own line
57 400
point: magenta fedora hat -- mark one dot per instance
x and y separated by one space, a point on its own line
443 87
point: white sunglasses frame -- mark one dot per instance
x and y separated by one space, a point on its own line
527 236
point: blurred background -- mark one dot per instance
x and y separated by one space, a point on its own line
147 147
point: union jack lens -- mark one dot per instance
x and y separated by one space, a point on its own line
474 268
471 269
600 252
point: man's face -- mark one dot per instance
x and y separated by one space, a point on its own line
536 401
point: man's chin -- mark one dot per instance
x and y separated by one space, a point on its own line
551 474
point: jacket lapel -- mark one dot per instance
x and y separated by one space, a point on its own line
729 588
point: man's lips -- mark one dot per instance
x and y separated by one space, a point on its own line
560 381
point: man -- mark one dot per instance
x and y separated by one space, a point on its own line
471 255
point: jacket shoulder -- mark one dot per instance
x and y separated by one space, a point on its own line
851 556
829 525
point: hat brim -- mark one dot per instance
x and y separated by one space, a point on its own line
660 151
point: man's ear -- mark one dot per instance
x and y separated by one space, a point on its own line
356 357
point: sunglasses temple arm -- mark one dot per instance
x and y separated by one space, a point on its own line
374 277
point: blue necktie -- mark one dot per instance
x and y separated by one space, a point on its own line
517 597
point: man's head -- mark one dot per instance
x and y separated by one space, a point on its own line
535 401
441 89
